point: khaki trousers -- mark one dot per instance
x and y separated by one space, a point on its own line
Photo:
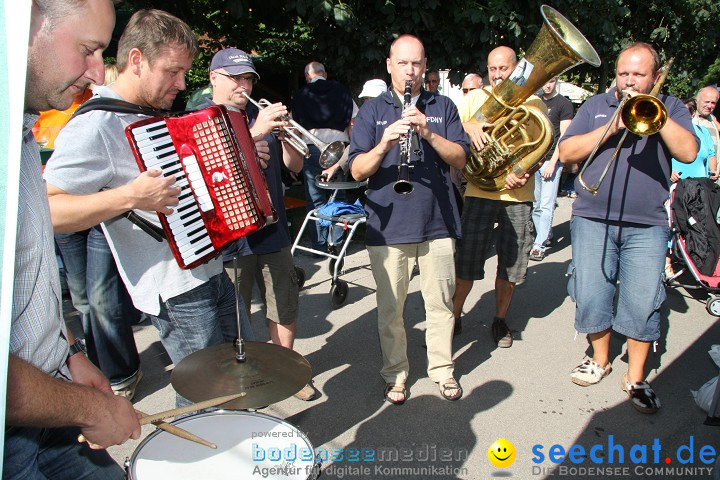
392 267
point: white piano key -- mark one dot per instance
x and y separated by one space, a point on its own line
143 139
183 217
205 203
199 254
162 154
149 127
161 145
194 247
189 235
154 162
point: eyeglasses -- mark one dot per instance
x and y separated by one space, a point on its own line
466 90
432 81
240 78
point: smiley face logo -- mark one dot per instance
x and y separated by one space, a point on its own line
501 453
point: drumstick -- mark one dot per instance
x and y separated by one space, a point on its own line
157 418
179 432
213 402
171 429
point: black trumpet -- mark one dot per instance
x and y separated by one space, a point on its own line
403 185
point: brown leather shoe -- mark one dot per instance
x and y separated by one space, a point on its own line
307 393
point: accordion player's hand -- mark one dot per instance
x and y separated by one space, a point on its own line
153 192
263 152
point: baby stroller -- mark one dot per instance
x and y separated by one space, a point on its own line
335 215
693 210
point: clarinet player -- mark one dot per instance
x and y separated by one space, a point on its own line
422 225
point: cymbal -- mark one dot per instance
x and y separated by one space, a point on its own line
269 374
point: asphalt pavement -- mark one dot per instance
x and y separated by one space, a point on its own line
522 394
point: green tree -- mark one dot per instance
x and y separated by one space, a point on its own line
351 37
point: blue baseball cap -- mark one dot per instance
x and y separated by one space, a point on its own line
233 61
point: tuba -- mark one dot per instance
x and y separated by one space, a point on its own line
522 134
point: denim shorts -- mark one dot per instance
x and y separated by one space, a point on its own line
513 243
626 261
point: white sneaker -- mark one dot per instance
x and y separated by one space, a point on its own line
127 389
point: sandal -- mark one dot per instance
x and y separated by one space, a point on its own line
395 388
641 394
450 384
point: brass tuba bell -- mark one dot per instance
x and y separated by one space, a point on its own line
522 133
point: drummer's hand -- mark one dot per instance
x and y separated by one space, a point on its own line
111 420
512 181
674 176
263 152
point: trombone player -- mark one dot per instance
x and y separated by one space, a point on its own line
620 234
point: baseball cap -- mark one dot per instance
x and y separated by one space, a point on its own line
373 88
234 61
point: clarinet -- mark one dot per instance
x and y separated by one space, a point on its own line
403 185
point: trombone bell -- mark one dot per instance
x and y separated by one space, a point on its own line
644 115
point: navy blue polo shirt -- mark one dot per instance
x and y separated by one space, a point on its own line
430 212
638 182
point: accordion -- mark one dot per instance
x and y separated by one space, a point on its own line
224 195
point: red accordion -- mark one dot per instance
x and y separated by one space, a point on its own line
224 192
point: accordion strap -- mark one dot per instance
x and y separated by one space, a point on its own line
118 106
121 106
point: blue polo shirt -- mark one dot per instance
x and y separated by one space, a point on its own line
637 183
430 212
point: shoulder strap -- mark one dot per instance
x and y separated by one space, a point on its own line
116 105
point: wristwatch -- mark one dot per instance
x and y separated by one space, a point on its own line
77 347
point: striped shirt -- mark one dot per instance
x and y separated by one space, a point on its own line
38 333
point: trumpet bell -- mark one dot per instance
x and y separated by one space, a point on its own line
331 154
644 114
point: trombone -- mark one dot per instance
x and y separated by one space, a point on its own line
330 153
641 114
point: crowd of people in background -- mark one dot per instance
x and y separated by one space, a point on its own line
445 227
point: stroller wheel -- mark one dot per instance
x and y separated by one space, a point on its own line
338 293
300 274
713 305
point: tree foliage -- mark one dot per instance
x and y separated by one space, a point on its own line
352 37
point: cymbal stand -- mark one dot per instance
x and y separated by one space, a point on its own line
239 342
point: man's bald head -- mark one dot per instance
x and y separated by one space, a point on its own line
472 81
707 99
501 63
406 62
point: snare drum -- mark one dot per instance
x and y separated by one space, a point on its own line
249 445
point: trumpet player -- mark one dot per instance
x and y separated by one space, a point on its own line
266 253
620 234
510 208
421 225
